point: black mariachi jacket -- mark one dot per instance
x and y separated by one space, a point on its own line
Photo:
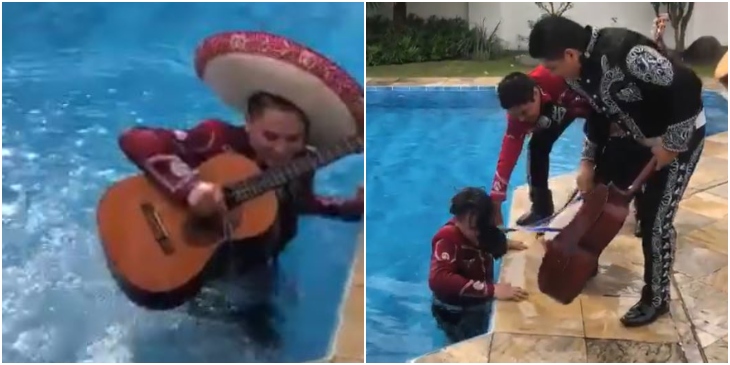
627 80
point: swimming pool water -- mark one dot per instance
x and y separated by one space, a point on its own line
422 146
74 77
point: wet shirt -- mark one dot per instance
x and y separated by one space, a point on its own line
170 157
627 80
461 273
559 105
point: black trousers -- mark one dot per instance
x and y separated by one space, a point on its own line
462 323
620 162
538 155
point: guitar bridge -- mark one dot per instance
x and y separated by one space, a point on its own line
158 228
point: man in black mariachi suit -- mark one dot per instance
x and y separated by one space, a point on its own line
640 96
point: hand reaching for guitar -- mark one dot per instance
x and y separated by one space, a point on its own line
206 199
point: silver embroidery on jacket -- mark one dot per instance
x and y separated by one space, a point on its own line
559 114
589 150
610 76
677 136
544 122
629 94
648 65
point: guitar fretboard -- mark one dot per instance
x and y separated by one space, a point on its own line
279 176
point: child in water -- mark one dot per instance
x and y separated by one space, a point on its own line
462 266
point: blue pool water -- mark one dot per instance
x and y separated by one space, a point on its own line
75 76
423 145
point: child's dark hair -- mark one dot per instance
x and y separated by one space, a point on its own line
516 89
469 200
553 34
472 200
261 101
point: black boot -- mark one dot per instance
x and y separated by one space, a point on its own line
643 313
542 207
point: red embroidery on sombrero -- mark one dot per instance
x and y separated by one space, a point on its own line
332 75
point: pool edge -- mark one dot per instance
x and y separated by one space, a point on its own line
347 344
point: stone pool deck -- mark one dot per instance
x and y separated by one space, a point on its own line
349 345
588 330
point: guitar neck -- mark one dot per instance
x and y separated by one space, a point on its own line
273 178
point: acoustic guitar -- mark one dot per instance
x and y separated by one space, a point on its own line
571 257
158 251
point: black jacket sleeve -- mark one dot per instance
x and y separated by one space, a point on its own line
596 129
676 84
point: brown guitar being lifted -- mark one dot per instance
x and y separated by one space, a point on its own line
571 257
158 252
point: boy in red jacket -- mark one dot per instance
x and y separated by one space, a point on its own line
540 104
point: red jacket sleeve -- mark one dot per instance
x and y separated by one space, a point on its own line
514 139
444 279
345 209
169 157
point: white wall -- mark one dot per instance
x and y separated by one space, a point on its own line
707 18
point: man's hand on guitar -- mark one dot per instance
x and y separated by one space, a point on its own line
206 199
663 156
585 178
505 291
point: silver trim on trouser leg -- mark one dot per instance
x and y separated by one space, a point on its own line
664 236
529 166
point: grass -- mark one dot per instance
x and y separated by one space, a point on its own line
499 68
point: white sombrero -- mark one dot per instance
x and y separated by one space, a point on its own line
237 65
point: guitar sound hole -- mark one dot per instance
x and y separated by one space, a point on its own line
204 231
208 231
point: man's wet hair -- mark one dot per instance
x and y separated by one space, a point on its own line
259 102
553 34
472 200
516 89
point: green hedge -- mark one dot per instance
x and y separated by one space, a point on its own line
421 40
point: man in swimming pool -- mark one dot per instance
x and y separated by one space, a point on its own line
275 133
634 88
541 104
461 276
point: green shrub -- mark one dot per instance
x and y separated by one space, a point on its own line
423 40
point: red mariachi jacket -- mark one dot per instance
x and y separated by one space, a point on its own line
560 105
170 158
461 273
